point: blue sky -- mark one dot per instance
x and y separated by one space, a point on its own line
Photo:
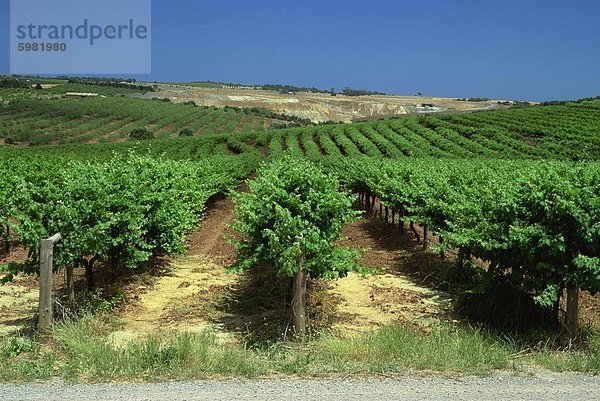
534 49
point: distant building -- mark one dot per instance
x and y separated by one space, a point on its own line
240 87
77 94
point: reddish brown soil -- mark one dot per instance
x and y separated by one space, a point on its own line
242 124
589 309
589 305
255 122
394 294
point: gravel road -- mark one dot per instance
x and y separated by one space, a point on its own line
542 386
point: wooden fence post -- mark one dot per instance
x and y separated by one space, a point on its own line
299 297
572 317
46 314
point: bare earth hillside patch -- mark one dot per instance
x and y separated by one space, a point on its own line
317 107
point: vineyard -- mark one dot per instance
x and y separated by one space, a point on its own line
554 132
512 197
60 121
558 132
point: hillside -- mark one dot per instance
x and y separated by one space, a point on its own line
318 107
567 131
87 120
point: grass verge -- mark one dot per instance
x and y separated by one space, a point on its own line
81 351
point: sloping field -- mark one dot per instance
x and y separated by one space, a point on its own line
565 132
85 120
562 131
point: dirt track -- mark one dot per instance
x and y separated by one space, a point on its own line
170 303
18 300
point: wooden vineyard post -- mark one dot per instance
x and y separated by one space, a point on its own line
46 314
7 240
412 228
71 283
572 317
299 298
387 213
425 240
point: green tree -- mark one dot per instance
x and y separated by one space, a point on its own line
140 134
186 132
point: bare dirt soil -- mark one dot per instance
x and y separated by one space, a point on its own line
195 292
589 309
177 297
317 107
17 307
391 295
19 299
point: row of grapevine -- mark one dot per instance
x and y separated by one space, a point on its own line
535 222
120 210
180 148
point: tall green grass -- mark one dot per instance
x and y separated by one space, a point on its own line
83 351
587 360
397 348
90 355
